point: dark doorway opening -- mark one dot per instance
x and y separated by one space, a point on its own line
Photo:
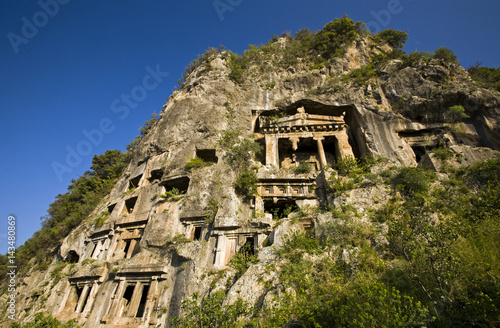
281 209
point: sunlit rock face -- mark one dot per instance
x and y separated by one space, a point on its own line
173 231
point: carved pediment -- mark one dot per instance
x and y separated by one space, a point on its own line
301 122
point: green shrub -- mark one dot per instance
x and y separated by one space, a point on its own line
209 312
413 181
48 321
240 153
445 55
242 261
303 168
99 221
246 183
173 194
360 76
237 66
395 39
485 77
335 36
195 163
443 154
457 113
212 207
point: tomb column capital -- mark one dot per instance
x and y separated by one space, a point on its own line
295 142
318 137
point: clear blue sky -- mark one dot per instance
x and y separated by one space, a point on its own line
66 63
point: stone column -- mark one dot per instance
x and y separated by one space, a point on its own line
272 155
321 152
115 301
83 297
97 250
131 248
136 299
344 148
259 205
92 294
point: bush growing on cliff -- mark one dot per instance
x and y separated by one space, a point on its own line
246 183
395 39
43 321
335 36
195 163
485 77
208 312
446 55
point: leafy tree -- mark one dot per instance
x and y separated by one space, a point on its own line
395 39
446 55
148 125
335 35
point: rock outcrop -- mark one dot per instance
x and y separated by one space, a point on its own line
173 231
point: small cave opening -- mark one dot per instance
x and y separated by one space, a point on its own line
207 155
280 209
111 208
197 233
72 257
134 183
419 152
180 183
156 175
130 204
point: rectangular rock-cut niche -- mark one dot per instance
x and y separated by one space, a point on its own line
181 184
136 295
228 246
96 247
130 204
207 155
306 152
194 231
134 182
280 208
134 300
194 227
80 297
111 208
128 239
156 175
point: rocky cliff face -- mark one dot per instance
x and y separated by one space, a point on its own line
173 231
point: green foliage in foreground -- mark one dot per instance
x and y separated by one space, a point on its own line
42 321
440 266
210 313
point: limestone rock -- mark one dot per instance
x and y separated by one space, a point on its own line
158 247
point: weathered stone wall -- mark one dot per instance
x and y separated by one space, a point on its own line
151 244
